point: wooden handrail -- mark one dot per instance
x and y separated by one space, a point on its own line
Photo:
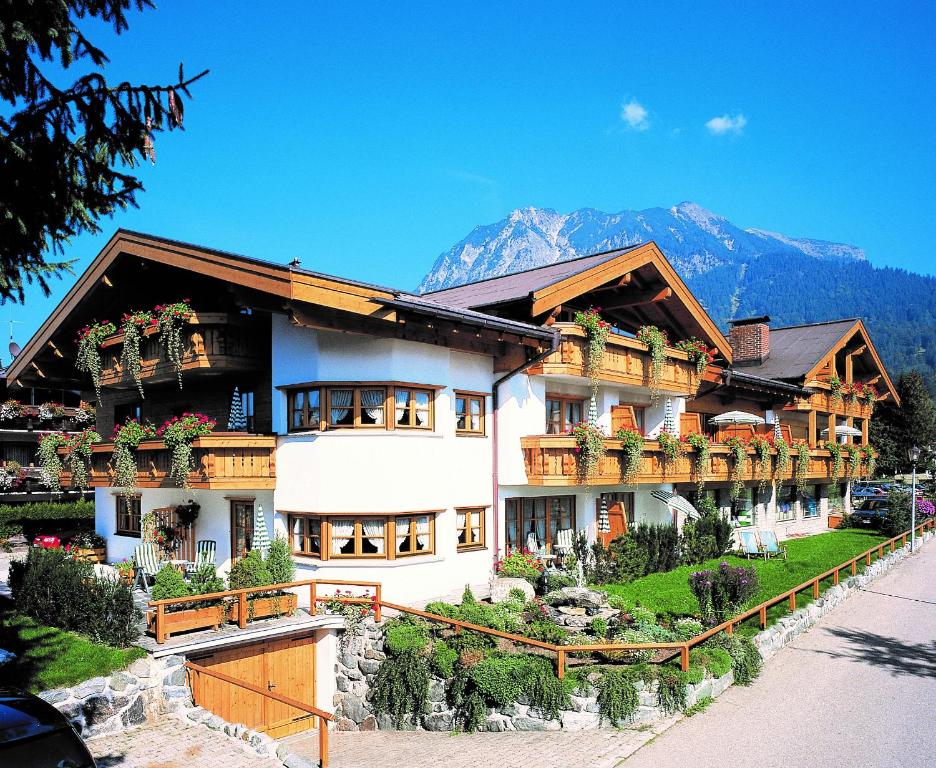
266 588
309 708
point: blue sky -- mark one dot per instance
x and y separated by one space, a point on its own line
366 139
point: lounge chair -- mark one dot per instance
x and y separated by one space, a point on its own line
147 564
563 543
770 546
750 545
205 551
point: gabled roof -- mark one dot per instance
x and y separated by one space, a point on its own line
278 286
631 286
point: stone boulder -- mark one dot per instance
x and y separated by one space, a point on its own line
500 588
578 597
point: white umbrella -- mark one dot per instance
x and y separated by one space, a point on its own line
592 412
604 522
777 432
261 539
843 430
669 420
675 501
237 421
736 417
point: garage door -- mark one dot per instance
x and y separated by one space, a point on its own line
286 667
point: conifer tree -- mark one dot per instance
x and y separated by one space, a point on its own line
895 429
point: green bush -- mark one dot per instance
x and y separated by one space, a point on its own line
710 534
687 628
279 562
517 564
721 592
401 686
44 517
599 627
442 609
660 542
443 659
746 660
65 593
206 580
249 571
716 660
630 559
671 689
617 695
406 634
636 656
559 580
546 631
897 518
168 584
502 680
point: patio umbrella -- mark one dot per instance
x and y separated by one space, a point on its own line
592 412
675 501
777 432
669 420
261 539
237 422
604 523
736 417
843 430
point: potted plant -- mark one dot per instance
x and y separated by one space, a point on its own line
133 326
88 358
50 410
170 319
78 457
89 546
589 449
50 462
11 473
84 413
253 571
10 409
126 438
179 433
181 617
125 569
656 342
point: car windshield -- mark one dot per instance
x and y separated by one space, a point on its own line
58 749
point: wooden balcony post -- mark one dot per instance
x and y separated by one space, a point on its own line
312 607
242 610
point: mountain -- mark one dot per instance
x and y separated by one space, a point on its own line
734 272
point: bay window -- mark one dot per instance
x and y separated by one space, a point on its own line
360 406
415 535
330 537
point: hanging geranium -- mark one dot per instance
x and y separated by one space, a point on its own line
703 448
589 448
783 456
88 358
50 463
837 388
126 438
170 319
84 413
632 443
179 433
10 409
761 446
802 465
133 325
738 449
864 393
11 473
671 447
870 460
50 410
835 449
699 355
656 342
78 458
853 467
597 332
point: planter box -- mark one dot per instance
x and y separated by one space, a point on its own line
835 520
182 621
266 607
98 555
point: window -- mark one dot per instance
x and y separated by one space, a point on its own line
536 521
360 406
415 535
128 516
469 414
562 413
742 508
306 535
358 538
809 501
412 408
126 411
242 528
786 503
469 523
247 408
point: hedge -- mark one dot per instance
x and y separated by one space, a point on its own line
42 515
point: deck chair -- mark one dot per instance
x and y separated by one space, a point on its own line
532 544
771 547
749 545
147 564
205 551
563 543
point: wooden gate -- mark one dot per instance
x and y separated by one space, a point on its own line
286 667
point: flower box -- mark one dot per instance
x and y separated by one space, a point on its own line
266 607
835 520
96 555
191 618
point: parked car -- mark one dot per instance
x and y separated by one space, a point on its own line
871 511
34 734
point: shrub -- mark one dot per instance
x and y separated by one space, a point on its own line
205 581
169 583
630 560
279 562
707 537
617 696
401 686
746 660
65 593
502 680
560 580
671 689
249 571
897 518
443 659
635 656
722 591
45 517
486 615
520 565
546 631
716 660
442 609
687 628
599 627
405 634
661 545
600 567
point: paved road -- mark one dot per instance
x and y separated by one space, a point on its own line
857 690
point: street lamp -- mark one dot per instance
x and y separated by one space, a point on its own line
914 455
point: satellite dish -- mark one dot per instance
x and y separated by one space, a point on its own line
14 349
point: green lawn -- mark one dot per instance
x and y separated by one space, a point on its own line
51 658
807 557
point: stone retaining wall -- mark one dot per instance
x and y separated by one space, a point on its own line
363 651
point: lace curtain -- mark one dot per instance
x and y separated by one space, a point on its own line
461 526
374 533
341 404
401 396
297 535
422 409
342 531
372 401
422 532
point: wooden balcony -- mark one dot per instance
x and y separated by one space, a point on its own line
626 361
551 460
212 342
222 462
823 402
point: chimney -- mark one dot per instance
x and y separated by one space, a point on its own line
750 340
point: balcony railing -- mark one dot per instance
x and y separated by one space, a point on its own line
626 361
216 341
552 460
30 420
823 402
222 461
